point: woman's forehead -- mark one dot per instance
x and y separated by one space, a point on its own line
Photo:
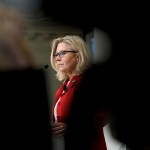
63 46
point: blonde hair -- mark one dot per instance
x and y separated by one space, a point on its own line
77 44
14 51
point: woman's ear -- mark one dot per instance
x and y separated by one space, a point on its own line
77 57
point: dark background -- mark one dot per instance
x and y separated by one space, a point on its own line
127 96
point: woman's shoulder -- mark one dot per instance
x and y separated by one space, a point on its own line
77 78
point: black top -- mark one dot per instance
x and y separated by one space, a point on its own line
24 113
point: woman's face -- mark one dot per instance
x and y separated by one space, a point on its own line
66 59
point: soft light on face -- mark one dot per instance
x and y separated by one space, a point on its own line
68 61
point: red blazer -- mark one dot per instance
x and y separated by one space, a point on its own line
63 113
64 105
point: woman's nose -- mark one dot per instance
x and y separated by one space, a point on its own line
58 58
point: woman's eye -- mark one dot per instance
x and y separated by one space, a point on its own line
62 53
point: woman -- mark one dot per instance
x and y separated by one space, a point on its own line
70 58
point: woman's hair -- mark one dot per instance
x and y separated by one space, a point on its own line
14 50
77 44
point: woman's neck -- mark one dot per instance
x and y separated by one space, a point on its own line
72 76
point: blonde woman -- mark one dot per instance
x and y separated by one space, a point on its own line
70 58
14 49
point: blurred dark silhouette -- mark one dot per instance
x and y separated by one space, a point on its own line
25 120
123 99
24 113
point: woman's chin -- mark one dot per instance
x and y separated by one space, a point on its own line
62 70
